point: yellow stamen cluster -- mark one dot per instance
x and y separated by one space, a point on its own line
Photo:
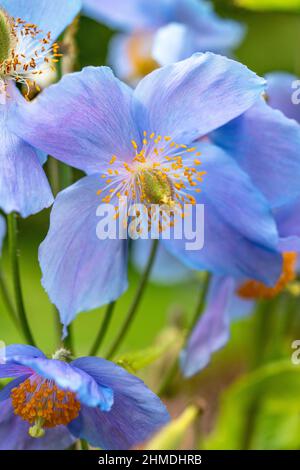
43 404
30 53
257 290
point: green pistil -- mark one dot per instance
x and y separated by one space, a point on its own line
157 187
37 431
5 37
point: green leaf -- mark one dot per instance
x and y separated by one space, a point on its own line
281 5
278 387
172 435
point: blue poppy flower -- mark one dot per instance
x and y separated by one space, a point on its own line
50 402
29 29
113 133
150 27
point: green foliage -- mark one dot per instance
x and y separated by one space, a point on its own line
5 37
276 386
281 5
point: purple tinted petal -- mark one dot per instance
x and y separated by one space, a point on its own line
87 135
264 142
6 390
183 100
11 369
212 330
81 272
136 413
14 433
2 232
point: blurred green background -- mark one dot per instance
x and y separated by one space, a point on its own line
272 43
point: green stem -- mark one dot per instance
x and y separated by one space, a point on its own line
103 329
7 301
84 445
261 319
14 258
136 302
164 387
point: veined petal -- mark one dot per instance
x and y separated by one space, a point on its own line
93 122
212 330
183 100
240 234
264 142
280 91
288 222
53 16
81 272
24 187
14 433
136 414
8 368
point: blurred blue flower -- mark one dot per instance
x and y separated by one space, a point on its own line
161 32
50 402
228 298
113 133
23 184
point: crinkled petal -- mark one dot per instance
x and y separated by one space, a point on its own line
14 433
53 15
71 378
128 15
266 145
240 234
92 123
183 100
212 330
2 231
166 268
81 272
8 368
136 414
280 90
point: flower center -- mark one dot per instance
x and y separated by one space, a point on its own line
257 290
139 52
43 404
25 53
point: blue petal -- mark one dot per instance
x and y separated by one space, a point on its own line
209 34
137 412
266 144
81 272
24 187
288 222
2 231
118 57
9 368
183 100
212 330
87 135
128 15
71 378
14 433
240 234
279 94
166 269
53 16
